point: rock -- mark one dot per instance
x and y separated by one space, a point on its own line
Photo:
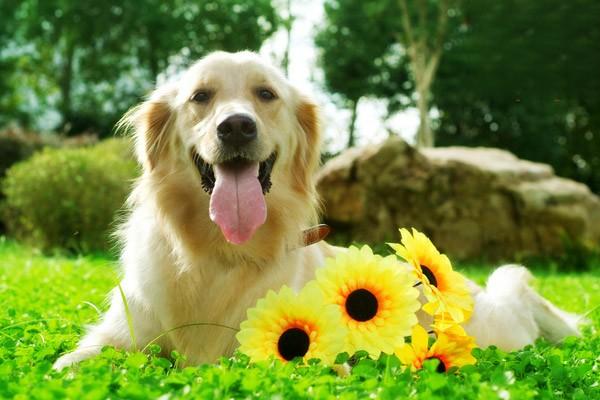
474 203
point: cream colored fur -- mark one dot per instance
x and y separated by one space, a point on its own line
178 270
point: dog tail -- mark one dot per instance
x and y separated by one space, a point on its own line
510 314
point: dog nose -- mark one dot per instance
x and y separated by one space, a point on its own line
237 130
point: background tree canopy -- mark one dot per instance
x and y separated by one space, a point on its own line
89 61
520 75
525 76
357 58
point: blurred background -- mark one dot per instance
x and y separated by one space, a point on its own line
422 90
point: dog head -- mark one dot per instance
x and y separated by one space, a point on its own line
235 141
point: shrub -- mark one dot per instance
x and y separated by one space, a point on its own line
15 146
12 150
118 147
578 255
67 198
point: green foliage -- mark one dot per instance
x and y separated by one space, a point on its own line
120 147
357 52
67 198
352 50
579 255
376 49
523 76
15 147
519 75
47 301
90 61
576 255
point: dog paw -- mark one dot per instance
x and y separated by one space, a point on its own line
71 359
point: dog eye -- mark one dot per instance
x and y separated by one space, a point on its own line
266 94
201 96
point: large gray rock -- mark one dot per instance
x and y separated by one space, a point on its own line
474 203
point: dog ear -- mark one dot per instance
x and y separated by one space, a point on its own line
308 154
151 121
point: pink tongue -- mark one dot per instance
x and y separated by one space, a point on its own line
237 203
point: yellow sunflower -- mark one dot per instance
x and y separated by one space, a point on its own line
455 333
450 350
445 288
444 322
375 297
286 326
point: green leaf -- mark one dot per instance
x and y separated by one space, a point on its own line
136 360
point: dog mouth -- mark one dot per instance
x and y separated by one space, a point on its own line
237 189
207 173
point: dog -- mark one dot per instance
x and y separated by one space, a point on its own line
229 151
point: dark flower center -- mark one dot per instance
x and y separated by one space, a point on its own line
441 368
361 305
293 343
430 277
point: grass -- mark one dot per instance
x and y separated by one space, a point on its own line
45 302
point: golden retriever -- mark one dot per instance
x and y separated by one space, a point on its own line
228 153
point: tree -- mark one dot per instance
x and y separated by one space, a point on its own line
523 76
423 35
353 54
388 49
9 109
288 23
93 60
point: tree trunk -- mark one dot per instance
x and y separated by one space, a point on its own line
424 134
152 59
423 59
351 138
65 84
288 27
153 65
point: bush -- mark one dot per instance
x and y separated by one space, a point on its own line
17 145
67 198
118 147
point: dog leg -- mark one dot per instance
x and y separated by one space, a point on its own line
113 330
509 314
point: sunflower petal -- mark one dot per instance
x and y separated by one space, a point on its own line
260 335
375 297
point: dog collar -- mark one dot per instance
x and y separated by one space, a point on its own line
315 234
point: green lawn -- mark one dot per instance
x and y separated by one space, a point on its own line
46 301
